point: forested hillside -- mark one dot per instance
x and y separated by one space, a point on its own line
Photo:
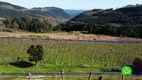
124 21
8 10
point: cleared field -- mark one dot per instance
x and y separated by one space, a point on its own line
66 35
71 56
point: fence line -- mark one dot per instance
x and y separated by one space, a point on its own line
58 73
74 75
70 73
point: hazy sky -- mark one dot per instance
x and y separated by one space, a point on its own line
74 4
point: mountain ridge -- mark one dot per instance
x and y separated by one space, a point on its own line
8 10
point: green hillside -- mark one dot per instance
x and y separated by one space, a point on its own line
8 10
54 12
8 13
11 6
125 21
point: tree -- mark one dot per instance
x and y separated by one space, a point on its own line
35 53
109 29
40 25
136 65
14 25
8 22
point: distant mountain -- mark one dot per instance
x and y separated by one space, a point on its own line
74 13
50 12
8 10
124 21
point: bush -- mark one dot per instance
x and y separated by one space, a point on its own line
137 65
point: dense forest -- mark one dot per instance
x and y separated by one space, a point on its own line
125 21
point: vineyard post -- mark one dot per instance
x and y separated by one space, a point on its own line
62 74
122 77
90 74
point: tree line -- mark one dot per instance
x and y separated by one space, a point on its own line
37 25
42 25
108 29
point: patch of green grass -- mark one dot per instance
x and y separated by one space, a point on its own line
1 27
34 36
75 32
4 29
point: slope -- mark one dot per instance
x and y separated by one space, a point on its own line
8 10
125 21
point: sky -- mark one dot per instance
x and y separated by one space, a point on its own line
74 4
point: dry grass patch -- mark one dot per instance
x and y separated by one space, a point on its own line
65 35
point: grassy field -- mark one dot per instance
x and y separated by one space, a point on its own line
71 56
